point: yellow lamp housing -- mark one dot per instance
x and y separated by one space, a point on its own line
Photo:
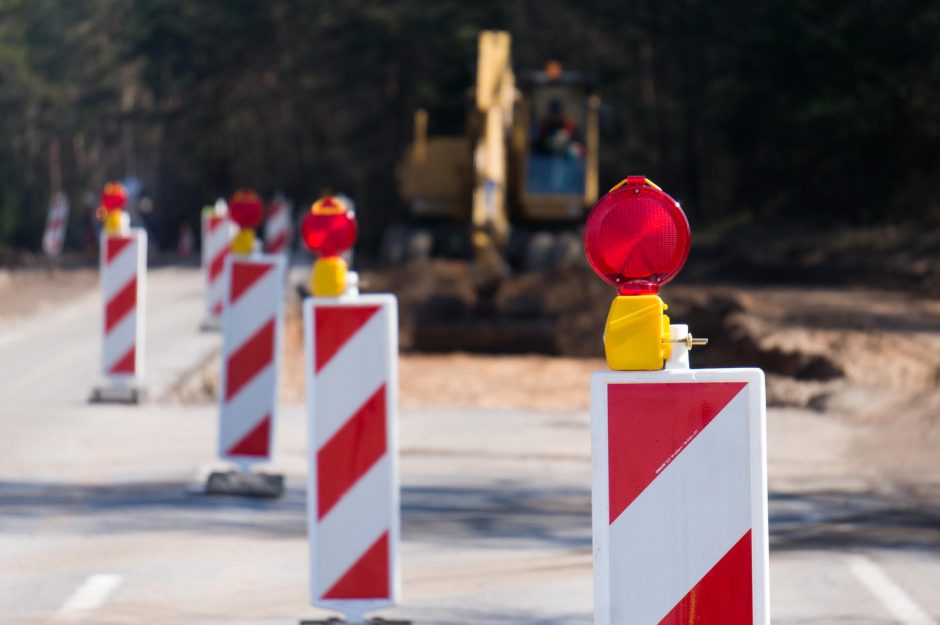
637 335
328 278
114 222
244 242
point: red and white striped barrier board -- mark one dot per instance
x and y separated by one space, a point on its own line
680 497
123 283
251 339
217 234
277 228
352 407
56 222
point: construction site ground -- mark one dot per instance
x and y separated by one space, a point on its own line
495 455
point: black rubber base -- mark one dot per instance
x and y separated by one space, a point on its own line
237 484
333 620
112 395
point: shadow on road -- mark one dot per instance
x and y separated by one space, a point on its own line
838 520
509 514
505 512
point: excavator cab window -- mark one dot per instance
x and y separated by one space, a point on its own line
556 156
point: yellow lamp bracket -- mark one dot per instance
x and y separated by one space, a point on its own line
328 278
244 242
637 335
113 222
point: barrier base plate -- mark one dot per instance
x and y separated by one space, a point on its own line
238 484
333 620
116 395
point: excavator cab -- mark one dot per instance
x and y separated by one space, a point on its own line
555 145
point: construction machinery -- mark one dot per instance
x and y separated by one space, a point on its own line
516 186
510 194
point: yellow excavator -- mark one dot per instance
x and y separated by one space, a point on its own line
516 186
510 194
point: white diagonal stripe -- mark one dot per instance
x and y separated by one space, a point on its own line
119 271
901 606
359 368
119 340
276 223
253 402
214 241
256 306
353 525
685 521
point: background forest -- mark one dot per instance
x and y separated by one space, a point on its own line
778 110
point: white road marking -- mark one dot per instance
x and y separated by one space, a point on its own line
89 596
904 609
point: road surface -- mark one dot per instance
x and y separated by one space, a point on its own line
96 525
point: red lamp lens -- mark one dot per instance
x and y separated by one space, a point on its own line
329 235
245 208
637 238
114 196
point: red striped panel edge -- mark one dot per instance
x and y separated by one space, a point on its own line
123 302
655 422
723 596
334 326
115 245
244 275
248 360
351 452
368 578
256 442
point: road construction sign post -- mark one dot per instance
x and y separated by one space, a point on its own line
57 221
251 337
678 454
217 233
352 408
123 263
278 226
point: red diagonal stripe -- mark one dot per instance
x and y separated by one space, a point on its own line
114 246
249 360
724 596
244 275
217 308
334 326
278 242
120 305
368 578
351 452
649 424
256 442
126 363
217 264
215 222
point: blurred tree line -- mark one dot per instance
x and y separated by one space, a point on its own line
777 109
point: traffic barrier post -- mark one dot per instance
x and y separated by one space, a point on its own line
678 454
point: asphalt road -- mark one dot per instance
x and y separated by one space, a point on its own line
96 525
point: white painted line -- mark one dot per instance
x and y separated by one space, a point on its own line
904 609
89 596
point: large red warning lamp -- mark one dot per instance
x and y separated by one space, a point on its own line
114 196
637 237
246 209
329 229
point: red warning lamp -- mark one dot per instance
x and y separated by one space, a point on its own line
246 209
114 196
329 229
637 238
